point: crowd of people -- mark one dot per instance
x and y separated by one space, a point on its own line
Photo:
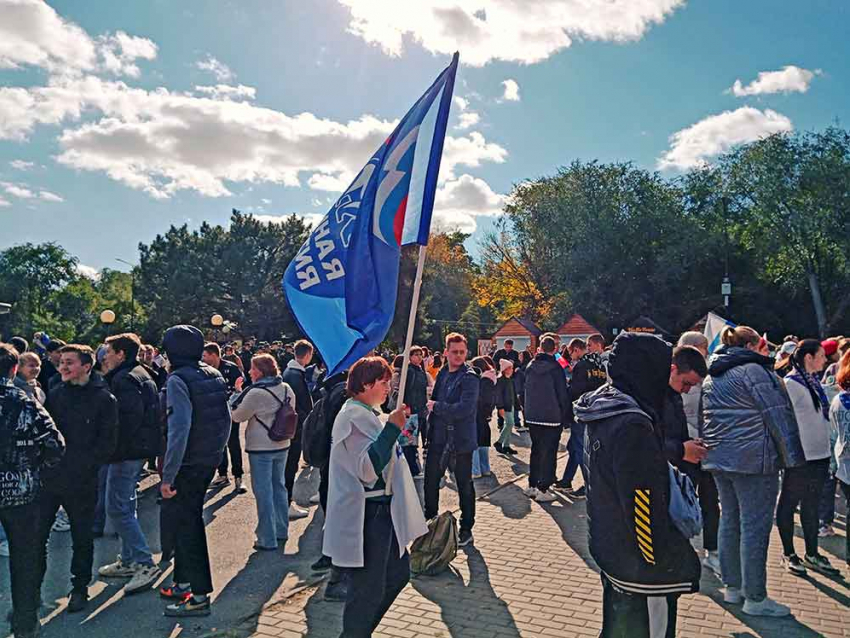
757 436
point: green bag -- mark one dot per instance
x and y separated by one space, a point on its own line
432 553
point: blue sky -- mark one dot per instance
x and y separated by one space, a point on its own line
119 119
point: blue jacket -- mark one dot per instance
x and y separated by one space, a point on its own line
749 426
456 397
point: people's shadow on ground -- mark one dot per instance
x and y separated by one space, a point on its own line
461 605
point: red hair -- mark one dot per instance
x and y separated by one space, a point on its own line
843 376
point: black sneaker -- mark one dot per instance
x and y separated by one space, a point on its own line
464 538
336 592
562 486
78 600
498 448
189 607
579 493
322 565
819 563
794 565
510 450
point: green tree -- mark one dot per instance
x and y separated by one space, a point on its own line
29 277
789 196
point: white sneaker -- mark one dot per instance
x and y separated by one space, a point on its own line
142 579
712 562
315 500
733 596
545 496
476 476
766 607
296 512
238 487
61 524
4 549
530 492
118 569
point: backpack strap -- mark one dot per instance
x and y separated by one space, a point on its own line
285 396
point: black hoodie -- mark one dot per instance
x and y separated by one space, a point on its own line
632 538
546 397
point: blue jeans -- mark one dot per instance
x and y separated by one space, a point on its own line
747 502
575 449
481 460
121 508
268 482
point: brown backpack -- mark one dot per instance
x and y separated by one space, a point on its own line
285 419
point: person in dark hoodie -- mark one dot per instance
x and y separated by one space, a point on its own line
507 404
29 444
198 430
646 562
486 403
547 411
452 433
588 374
751 433
86 413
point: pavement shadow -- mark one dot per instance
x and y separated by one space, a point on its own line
464 607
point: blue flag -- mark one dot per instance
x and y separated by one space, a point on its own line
342 284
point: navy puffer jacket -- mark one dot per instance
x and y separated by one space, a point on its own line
749 425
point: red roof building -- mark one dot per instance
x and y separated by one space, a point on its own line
524 333
576 327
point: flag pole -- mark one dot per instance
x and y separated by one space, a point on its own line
408 340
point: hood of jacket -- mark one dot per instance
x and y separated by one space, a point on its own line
725 358
543 364
604 403
639 365
183 344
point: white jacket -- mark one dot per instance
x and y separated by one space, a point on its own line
356 427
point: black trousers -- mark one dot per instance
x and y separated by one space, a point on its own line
234 446
373 587
634 616
25 554
709 503
186 512
544 450
324 483
79 502
293 460
434 471
801 485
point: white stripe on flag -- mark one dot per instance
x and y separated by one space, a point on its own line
421 160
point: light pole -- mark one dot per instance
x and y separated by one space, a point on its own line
132 293
217 321
107 318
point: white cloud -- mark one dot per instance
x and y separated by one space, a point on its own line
510 30
89 272
461 103
50 197
468 120
21 165
331 183
33 34
791 79
4 202
228 92
120 51
17 190
694 146
511 93
459 202
266 201
162 142
218 68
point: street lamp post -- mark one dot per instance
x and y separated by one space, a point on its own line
107 318
132 293
217 321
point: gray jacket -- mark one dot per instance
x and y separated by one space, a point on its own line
749 424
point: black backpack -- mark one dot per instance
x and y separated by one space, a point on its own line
317 427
